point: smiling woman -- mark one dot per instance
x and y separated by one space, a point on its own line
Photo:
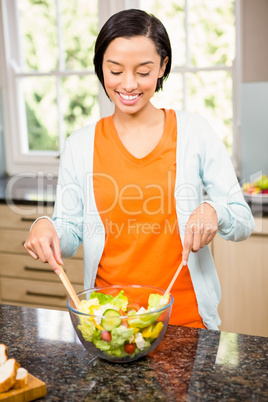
131 64
152 155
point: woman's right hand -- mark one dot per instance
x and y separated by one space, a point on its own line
43 242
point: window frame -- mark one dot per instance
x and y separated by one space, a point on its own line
16 161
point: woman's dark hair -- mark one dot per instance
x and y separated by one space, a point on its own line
127 24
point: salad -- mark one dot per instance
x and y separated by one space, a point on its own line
119 328
260 186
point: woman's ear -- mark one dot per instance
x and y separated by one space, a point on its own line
163 67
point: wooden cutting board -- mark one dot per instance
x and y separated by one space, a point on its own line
34 390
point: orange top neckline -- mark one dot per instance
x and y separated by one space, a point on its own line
152 154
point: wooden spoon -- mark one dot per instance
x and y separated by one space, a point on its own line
68 286
173 279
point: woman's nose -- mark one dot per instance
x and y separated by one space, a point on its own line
129 83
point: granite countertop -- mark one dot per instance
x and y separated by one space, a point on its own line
189 364
41 189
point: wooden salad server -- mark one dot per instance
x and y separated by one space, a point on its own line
173 279
69 287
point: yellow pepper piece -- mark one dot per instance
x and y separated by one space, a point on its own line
92 308
146 333
153 331
98 326
91 311
136 330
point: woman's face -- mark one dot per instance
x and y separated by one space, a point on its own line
131 67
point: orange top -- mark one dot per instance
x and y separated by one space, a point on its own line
135 199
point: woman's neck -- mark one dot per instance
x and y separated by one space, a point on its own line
147 115
140 133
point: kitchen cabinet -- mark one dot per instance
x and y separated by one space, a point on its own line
243 272
23 280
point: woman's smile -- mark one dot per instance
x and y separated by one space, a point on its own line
128 99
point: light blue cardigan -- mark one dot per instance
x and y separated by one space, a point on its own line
202 163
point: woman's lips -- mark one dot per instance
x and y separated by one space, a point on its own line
128 99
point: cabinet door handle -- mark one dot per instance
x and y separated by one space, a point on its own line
23 219
29 293
46 270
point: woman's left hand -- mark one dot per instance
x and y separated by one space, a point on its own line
200 230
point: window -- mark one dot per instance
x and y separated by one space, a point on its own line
48 81
203 38
52 86
55 76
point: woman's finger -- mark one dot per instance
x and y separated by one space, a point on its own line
34 249
57 252
187 246
32 253
39 250
48 253
197 237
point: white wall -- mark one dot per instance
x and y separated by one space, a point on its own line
254 133
254 90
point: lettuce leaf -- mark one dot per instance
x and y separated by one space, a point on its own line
102 345
157 301
120 335
102 298
88 329
120 300
142 320
116 347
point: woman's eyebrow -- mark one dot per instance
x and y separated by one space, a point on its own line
141 64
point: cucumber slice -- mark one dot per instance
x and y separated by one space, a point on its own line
111 319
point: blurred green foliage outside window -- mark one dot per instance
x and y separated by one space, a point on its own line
203 37
60 89
58 84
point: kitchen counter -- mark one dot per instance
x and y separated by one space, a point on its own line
28 190
189 364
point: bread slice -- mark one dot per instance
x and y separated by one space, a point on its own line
8 372
21 378
3 354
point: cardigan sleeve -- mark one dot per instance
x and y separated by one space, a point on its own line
68 211
235 220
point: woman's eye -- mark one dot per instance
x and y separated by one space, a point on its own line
115 72
144 74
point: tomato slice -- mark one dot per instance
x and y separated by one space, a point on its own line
129 348
133 306
124 320
106 336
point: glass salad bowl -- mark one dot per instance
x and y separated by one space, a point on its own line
121 323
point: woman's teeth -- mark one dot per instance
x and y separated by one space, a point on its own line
128 97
